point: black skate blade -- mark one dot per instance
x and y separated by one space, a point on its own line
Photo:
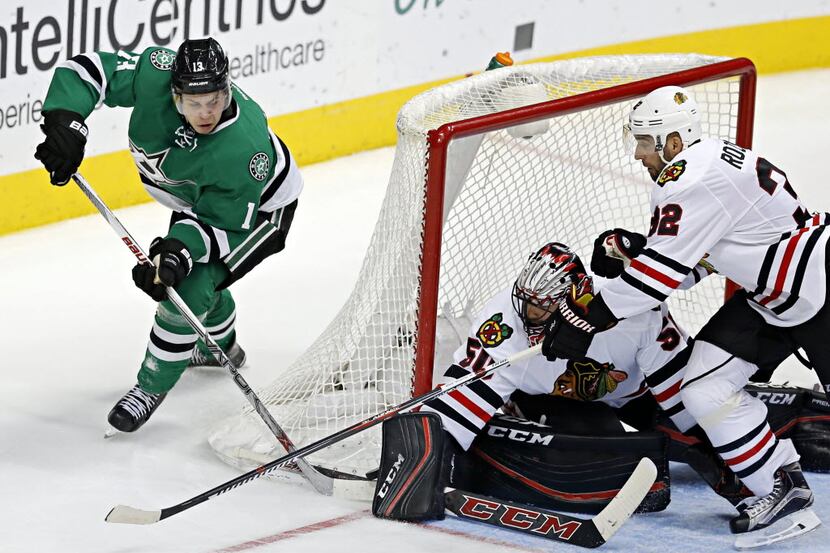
788 527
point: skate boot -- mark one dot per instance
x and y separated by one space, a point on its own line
202 360
788 505
134 409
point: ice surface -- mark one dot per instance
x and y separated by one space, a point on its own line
74 329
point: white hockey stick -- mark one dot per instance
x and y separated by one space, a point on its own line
321 483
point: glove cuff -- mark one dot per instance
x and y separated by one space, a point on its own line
599 314
161 246
67 119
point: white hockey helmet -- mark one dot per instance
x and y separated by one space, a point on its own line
546 277
663 111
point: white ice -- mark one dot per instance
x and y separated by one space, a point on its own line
74 328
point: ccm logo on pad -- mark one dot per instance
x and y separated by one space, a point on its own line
519 518
390 477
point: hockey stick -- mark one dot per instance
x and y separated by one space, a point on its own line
131 515
321 483
555 526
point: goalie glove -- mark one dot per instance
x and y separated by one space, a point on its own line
613 251
171 264
579 316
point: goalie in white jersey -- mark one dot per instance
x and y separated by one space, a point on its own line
718 207
614 371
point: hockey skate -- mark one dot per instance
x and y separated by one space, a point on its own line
784 513
201 359
133 410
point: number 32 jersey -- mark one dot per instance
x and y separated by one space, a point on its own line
737 212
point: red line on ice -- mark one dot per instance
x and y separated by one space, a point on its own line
296 532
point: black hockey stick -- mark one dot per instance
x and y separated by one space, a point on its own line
321 483
131 515
551 525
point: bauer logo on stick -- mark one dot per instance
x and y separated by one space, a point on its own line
672 172
493 332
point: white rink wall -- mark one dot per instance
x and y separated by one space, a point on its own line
294 55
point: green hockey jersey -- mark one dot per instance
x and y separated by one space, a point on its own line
225 186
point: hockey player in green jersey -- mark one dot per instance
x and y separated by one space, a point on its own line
202 148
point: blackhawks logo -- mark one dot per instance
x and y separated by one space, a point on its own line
707 265
162 59
588 380
680 98
493 332
259 166
671 172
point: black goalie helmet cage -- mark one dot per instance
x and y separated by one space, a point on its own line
546 276
200 67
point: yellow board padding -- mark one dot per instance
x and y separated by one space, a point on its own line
30 200
344 128
773 47
366 123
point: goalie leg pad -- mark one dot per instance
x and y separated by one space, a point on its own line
802 415
519 460
414 468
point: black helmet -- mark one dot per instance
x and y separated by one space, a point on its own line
200 66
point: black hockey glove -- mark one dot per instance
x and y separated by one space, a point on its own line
613 251
580 315
63 149
171 264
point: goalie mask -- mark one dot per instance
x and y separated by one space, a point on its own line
200 67
546 277
662 112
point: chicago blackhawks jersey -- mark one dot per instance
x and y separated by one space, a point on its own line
738 213
613 371
223 183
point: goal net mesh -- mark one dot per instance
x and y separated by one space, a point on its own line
506 192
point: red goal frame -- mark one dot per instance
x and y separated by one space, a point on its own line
439 140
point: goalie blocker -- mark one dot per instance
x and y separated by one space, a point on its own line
514 460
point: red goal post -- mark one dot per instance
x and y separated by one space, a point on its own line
440 138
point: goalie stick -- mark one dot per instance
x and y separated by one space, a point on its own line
130 515
555 526
320 482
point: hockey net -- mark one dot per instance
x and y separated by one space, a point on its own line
486 170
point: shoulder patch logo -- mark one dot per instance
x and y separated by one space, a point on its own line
162 59
671 172
493 331
259 165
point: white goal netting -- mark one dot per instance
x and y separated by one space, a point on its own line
506 192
